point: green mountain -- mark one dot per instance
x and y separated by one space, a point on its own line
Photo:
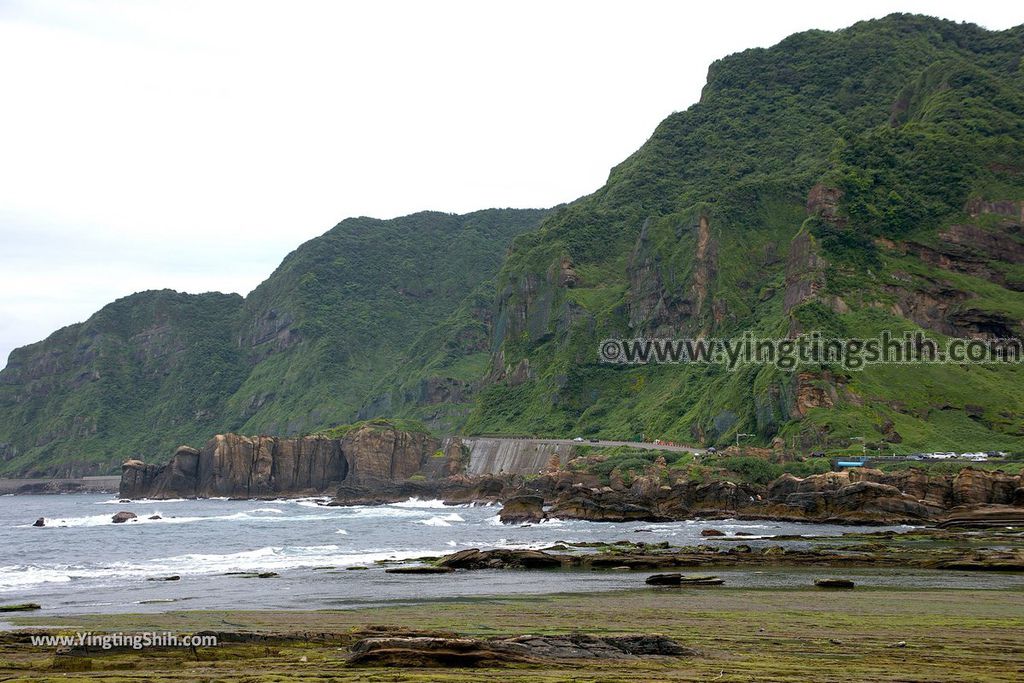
302 352
844 182
848 182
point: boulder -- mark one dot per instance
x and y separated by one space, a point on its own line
123 516
711 533
681 580
664 579
523 509
603 505
500 559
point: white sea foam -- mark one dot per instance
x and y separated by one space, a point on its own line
270 558
265 515
141 501
441 520
385 511
311 503
434 504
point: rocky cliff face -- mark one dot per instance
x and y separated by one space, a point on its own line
243 466
788 200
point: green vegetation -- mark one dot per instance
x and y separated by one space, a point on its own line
629 461
706 231
632 462
874 633
303 352
376 424
760 471
846 182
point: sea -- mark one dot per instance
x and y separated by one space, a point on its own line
81 562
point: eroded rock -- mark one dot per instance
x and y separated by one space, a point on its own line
432 651
523 509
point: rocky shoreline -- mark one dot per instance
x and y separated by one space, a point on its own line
376 464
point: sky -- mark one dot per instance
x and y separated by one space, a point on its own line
192 145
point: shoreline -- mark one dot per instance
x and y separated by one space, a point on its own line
56 486
728 634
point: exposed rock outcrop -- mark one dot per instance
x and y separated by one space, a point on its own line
523 509
434 651
500 558
860 495
243 466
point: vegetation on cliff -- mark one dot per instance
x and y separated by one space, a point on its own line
301 353
847 182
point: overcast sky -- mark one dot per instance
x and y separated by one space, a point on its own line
191 145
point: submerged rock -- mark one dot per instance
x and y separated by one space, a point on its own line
22 607
421 569
39 522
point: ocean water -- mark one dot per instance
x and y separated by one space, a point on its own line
82 562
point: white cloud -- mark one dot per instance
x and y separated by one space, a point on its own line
191 145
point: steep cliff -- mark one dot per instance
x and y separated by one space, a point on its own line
261 466
851 182
304 351
143 373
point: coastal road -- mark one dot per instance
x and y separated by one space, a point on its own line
601 443
526 455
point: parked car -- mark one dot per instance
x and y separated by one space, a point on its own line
711 449
578 438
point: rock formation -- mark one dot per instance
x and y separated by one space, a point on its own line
244 466
860 495
523 509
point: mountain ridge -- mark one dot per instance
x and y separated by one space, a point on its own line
849 182
293 356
